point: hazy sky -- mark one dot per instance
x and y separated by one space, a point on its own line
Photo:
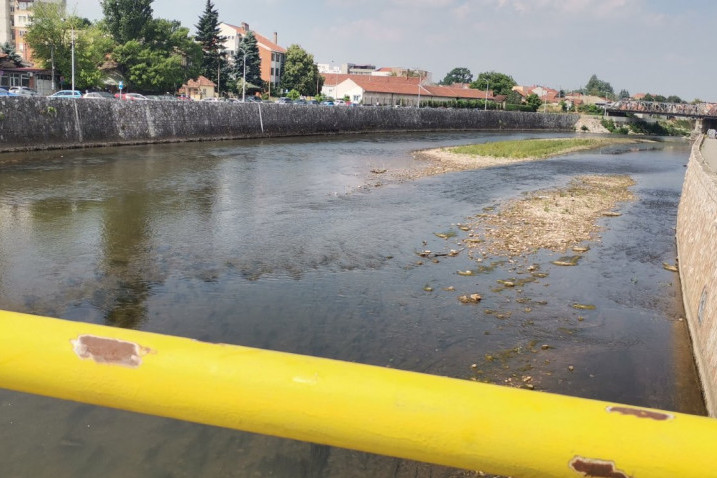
656 46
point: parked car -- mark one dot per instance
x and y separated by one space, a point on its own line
300 101
131 96
23 91
284 101
213 100
327 103
4 92
71 94
312 102
100 95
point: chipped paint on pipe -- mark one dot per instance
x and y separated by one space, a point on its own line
404 414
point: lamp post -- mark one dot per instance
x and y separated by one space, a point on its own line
418 105
73 56
485 100
243 83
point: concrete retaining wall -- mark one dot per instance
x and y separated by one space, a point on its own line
696 239
44 123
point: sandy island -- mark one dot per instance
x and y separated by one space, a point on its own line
554 219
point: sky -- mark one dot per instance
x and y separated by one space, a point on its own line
643 46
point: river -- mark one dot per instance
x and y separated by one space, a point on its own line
295 245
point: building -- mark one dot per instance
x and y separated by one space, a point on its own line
19 15
395 90
198 89
546 95
271 54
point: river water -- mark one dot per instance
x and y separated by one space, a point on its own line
295 245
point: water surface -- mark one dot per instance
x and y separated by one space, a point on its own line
295 245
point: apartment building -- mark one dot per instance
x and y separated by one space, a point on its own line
271 54
15 19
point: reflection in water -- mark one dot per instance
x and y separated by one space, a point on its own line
278 244
126 255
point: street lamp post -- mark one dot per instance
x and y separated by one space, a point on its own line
419 88
243 82
73 56
485 100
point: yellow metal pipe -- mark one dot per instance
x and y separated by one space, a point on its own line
404 414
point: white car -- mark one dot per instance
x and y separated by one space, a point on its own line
23 91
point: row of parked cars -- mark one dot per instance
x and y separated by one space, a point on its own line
25 91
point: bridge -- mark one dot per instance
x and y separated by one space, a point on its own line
704 113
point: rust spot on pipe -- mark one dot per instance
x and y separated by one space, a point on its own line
590 467
109 351
641 413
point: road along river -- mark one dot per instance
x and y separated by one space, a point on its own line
317 246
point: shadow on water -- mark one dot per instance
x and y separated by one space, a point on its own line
294 245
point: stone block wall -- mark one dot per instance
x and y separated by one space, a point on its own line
45 123
696 240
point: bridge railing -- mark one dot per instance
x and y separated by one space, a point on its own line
699 110
440 420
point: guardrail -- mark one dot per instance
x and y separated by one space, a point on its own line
410 415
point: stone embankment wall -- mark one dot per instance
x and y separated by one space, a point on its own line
45 123
696 239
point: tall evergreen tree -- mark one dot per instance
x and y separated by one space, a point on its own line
214 63
127 20
12 55
253 62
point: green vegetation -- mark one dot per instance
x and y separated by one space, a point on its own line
660 128
300 72
457 75
499 83
532 148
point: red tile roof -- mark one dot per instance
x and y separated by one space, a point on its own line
407 86
261 41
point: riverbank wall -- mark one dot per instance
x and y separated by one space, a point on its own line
696 237
51 123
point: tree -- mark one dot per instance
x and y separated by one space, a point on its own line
533 101
598 87
624 95
50 36
214 63
249 46
166 60
674 99
458 75
499 83
300 72
12 55
127 20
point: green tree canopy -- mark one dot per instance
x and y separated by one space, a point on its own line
499 83
624 94
253 62
162 63
214 62
50 36
598 87
300 72
533 101
458 75
12 55
127 20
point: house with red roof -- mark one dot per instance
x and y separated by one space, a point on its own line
395 90
198 89
271 54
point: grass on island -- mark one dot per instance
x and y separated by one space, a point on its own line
533 148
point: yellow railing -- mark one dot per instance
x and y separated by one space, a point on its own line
434 419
